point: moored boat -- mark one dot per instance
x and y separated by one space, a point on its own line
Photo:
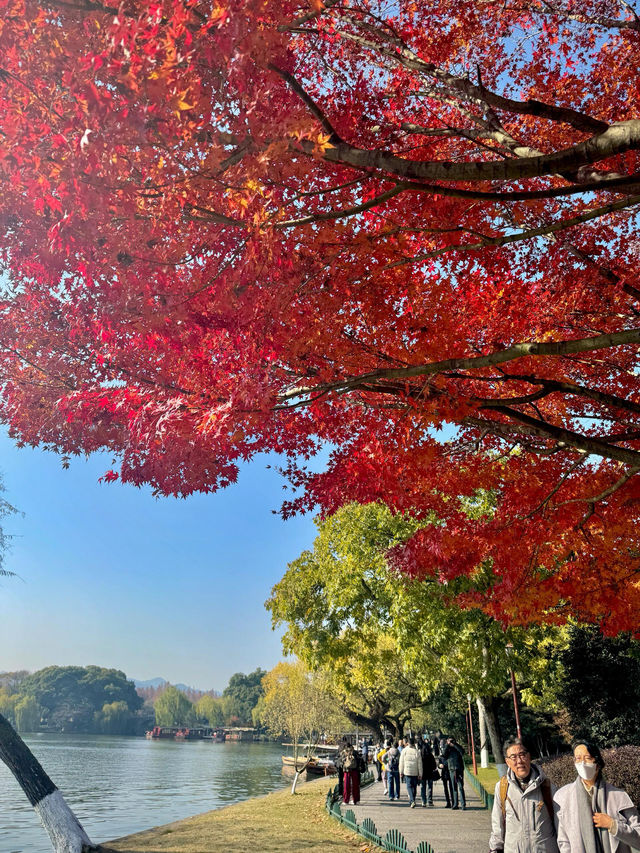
319 763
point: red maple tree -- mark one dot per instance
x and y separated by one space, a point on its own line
237 227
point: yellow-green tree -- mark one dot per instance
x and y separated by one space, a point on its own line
27 714
209 708
298 704
173 708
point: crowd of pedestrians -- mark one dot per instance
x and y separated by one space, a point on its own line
419 762
530 815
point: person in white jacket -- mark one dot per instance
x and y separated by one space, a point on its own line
594 816
411 769
522 820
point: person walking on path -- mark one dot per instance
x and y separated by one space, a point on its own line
522 820
339 763
452 757
444 770
411 769
392 760
382 758
377 762
594 816
435 743
351 776
429 772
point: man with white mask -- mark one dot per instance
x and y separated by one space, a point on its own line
522 818
594 816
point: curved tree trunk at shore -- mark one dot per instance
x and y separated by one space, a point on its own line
374 724
64 828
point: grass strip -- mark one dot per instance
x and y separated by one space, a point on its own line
488 776
276 823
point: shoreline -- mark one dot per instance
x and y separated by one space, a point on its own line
274 823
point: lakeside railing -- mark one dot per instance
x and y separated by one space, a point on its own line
393 841
486 798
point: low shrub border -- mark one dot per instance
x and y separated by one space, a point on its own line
393 841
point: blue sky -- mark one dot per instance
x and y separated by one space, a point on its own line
110 575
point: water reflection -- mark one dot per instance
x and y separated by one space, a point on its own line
119 785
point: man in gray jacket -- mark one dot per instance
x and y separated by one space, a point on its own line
522 819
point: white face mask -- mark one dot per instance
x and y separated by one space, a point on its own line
586 771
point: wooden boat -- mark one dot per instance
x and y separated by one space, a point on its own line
178 732
319 763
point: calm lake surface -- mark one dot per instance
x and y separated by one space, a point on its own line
119 785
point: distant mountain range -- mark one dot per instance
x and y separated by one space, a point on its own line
160 682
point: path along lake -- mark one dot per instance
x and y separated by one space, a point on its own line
119 785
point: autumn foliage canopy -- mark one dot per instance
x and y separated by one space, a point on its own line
406 231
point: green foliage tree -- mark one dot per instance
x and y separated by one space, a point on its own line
241 695
601 686
72 696
27 714
209 708
298 704
8 702
11 681
115 718
174 709
338 596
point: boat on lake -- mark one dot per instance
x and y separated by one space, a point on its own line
319 763
179 732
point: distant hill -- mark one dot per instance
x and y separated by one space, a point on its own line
151 682
160 682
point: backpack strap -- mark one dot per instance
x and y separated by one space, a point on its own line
545 789
504 786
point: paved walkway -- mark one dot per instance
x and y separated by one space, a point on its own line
446 831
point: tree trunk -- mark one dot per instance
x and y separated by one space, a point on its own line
486 707
295 781
65 831
373 724
484 736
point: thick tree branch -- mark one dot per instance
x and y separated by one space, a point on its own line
478 93
583 443
505 239
516 351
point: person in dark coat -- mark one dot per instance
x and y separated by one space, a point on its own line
444 768
339 763
452 757
376 761
429 770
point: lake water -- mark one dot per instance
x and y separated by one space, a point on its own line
119 785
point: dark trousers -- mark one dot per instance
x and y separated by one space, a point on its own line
340 781
393 781
379 770
446 782
426 783
351 786
457 783
412 787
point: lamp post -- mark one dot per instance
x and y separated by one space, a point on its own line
473 745
514 690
